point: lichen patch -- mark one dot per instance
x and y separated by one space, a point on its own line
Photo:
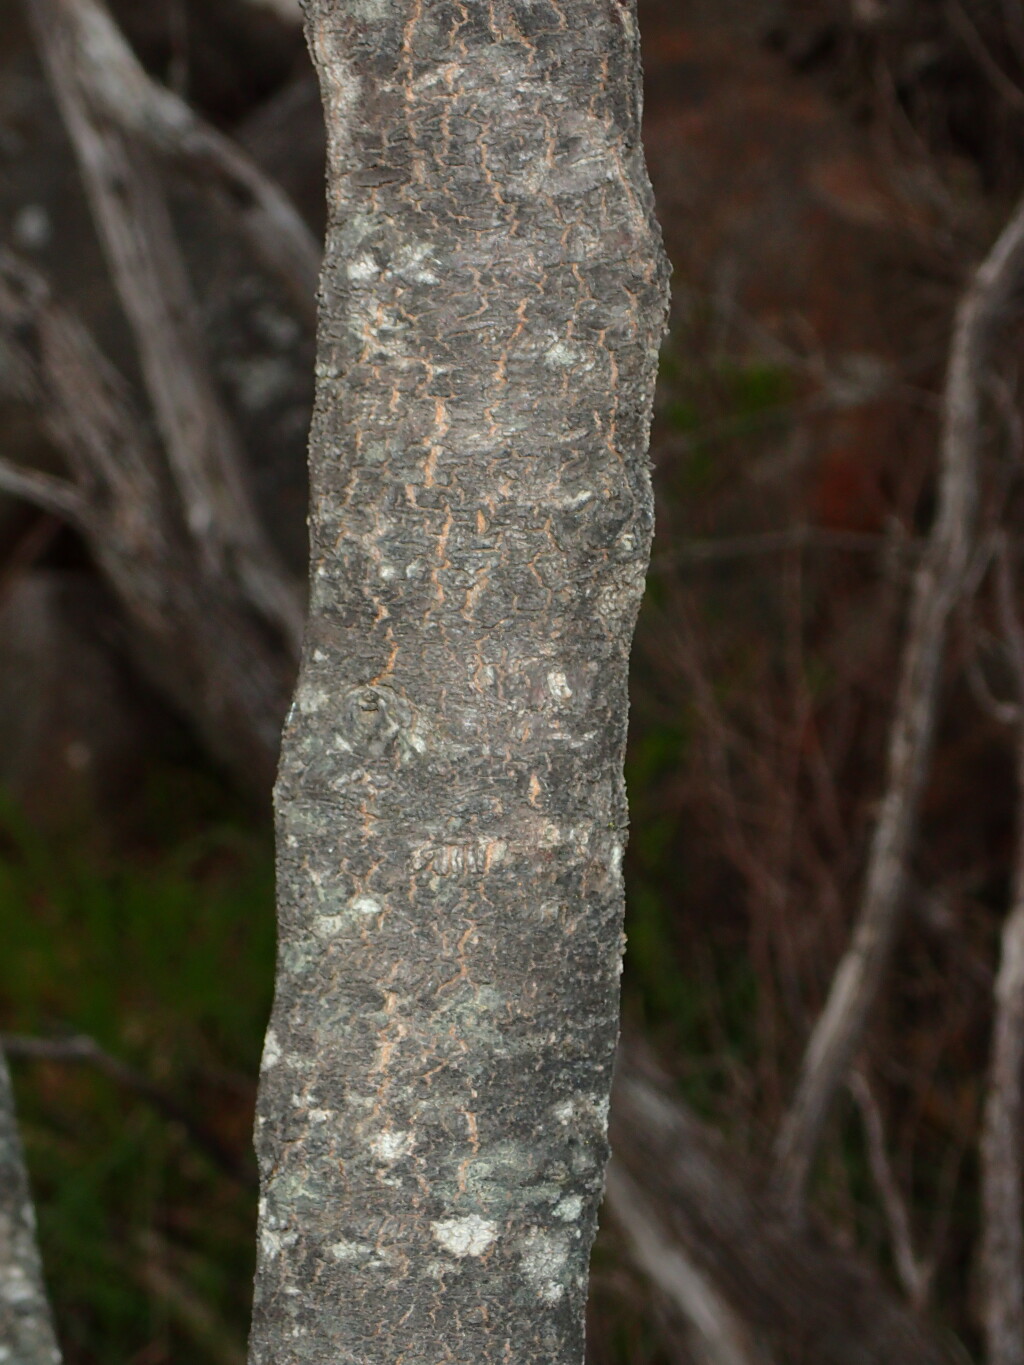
469 1236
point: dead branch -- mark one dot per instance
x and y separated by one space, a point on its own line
1002 1237
792 1289
286 10
202 448
914 1275
116 88
84 1050
45 491
938 583
182 1303
1002 1135
716 1335
194 635
26 1327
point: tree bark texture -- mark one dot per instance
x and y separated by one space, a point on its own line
26 1328
451 812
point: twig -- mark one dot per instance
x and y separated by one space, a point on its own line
772 542
1002 1136
914 1276
979 50
938 584
26 1327
193 636
787 1284
286 10
134 225
203 1325
716 1335
85 1050
117 87
46 491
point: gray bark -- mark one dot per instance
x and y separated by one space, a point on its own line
451 814
26 1330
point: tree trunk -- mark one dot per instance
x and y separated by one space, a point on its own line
451 811
26 1329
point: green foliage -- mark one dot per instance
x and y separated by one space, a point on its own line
167 962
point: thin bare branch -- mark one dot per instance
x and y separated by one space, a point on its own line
1002 1237
133 222
979 50
26 1327
287 10
194 635
1002 1135
795 1292
775 542
938 585
50 493
716 1334
82 1049
215 1340
117 87
914 1276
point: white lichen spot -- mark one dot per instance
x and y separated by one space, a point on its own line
271 1051
348 1251
469 1236
615 859
391 1146
569 1208
365 905
560 355
544 1255
362 268
320 1115
329 926
414 263
310 699
558 685
15 1287
272 1243
578 500
565 1112
388 572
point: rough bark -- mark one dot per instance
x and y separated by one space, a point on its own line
451 814
26 1330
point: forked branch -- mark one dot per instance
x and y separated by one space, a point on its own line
202 447
788 1287
115 87
938 583
194 634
